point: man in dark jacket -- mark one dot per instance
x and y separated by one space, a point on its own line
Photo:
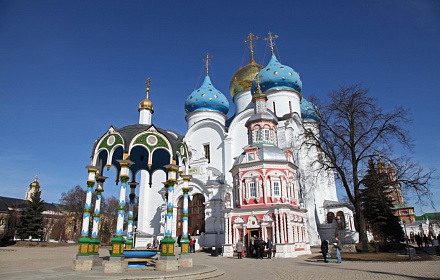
260 248
324 250
269 246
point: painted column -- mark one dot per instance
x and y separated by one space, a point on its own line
282 233
295 233
167 244
129 243
94 242
289 229
230 227
225 219
84 240
184 241
277 226
118 241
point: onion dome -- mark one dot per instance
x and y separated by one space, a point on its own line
243 78
207 98
146 103
309 111
35 184
276 76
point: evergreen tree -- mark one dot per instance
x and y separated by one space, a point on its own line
31 221
377 206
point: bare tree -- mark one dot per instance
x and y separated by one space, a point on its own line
73 203
354 129
109 214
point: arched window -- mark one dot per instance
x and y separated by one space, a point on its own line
330 217
340 217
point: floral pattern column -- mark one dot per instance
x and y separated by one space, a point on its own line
184 241
94 242
167 244
118 241
84 240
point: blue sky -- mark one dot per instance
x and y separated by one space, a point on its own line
70 69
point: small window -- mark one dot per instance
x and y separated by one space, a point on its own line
258 136
276 188
266 135
252 189
207 153
290 106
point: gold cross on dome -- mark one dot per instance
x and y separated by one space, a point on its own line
250 38
258 81
271 41
206 60
148 82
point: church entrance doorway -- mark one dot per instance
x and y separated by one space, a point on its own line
250 237
196 215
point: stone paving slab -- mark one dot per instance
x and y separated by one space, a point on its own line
56 263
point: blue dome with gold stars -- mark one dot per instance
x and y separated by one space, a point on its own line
207 98
278 77
309 111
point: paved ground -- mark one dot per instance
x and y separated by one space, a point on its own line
56 263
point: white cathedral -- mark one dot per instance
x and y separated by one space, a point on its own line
251 175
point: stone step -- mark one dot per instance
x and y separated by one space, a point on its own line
207 272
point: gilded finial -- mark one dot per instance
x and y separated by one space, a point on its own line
271 41
250 38
206 60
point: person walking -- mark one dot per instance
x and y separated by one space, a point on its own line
426 240
324 250
269 246
436 244
239 248
338 246
260 248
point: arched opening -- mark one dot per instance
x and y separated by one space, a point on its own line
196 215
341 220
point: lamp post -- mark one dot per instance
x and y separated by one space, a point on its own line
406 238
134 236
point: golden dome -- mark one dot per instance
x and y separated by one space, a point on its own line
242 79
146 103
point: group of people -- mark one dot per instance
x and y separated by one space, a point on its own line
421 241
337 244
192 243
257 248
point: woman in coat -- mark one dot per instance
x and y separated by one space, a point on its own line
239 248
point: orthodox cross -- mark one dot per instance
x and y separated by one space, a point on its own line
258 81
271 41
250 39
206 60
148 82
